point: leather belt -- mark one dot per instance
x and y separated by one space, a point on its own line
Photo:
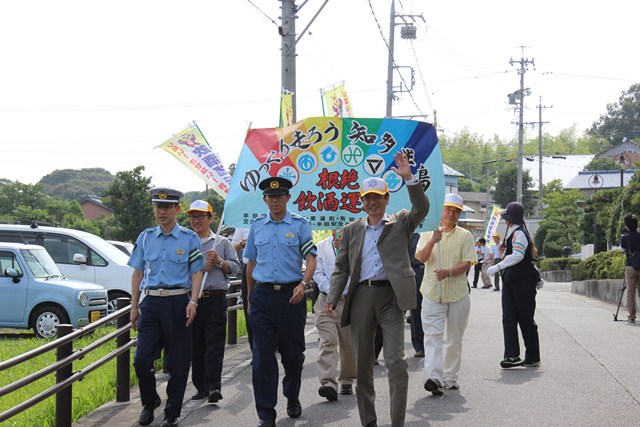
212 292
161 292
280 286
375 283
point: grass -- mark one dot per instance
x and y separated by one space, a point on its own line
96 389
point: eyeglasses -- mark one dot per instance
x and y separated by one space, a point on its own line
198 217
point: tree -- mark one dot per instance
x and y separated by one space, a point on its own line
74 184
128 197
505 190
17 194
622 118
559 227
601 164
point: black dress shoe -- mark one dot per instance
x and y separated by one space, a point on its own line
346 389
169 422
214 396
146 416
199 395
294 408
328 393
266 423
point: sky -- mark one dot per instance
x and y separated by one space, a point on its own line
100 84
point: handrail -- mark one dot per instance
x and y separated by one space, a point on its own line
66 356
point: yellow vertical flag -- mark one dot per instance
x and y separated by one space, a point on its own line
337 102
286 110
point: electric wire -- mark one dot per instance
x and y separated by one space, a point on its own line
263 13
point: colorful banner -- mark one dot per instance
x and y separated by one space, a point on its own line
286 110
492 226
192 150
326 159
337 102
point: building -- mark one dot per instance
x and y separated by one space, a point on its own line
93 208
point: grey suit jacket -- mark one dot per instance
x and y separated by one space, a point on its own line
393 247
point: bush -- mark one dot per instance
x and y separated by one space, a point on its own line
604 265
550 264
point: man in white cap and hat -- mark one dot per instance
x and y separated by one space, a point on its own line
373 256
448 253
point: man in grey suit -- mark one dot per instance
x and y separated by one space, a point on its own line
373 253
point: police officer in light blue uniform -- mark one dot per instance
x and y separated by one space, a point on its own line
168 266
277 244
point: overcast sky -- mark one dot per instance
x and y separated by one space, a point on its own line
100 84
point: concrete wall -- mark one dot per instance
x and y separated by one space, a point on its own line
604 290
556 276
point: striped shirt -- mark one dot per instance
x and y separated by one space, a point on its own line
455 247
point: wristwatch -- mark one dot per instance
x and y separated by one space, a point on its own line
192 302
306 285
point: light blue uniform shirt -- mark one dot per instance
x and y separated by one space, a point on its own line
278 248
167 260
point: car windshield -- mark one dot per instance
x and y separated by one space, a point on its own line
107 249
40 263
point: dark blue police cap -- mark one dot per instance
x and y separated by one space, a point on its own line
163 196
275 185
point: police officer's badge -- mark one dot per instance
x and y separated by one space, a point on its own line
289 235
163 195
180 251
274 184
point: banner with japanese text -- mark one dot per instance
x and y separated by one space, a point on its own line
337 102
191 149
326 159
492 226
286 109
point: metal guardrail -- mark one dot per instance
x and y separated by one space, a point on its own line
65 376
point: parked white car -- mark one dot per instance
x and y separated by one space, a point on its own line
34 294
79 255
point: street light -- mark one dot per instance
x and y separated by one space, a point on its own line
624 162
595 182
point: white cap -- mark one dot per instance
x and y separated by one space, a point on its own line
454 200
374 185
201 206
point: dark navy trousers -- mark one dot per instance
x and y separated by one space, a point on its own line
417 334
518 309
208 341
162 324
276 323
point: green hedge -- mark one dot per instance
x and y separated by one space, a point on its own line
549 264
604 265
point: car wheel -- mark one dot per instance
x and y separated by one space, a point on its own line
46 321
112 306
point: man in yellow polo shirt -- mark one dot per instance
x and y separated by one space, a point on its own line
448 253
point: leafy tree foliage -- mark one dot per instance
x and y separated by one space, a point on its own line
505 190
622 118
72 184
559 228
601 164
128 197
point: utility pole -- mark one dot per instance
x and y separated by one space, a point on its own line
408 31
523 69
540 122
287 31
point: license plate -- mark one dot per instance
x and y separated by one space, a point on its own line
94 316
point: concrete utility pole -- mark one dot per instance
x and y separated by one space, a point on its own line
540 122
408 31
287 31
523 68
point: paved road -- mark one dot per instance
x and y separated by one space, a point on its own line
590 375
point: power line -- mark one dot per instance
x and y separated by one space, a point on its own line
266 16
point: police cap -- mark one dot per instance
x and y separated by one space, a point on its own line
275 186
165 196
